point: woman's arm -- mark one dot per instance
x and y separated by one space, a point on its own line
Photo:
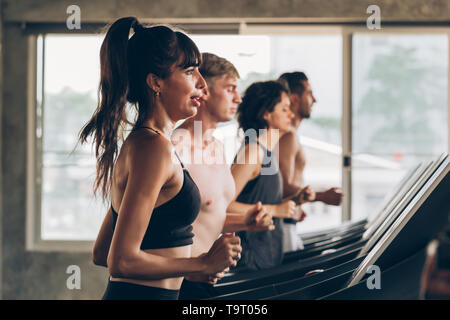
103 241
247 167
150 166
255 219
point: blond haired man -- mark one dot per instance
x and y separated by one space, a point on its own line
203 156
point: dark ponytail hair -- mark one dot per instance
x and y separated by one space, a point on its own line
124 66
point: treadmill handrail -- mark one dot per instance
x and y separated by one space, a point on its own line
353 262
311 262
401 221
399 199
357 228
401 206
347 225
391 196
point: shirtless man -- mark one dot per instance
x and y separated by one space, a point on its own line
203 156
292 157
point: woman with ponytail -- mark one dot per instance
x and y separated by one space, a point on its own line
153 198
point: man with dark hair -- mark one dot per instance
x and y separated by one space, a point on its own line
292 158
203 156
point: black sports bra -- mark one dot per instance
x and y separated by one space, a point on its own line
170 223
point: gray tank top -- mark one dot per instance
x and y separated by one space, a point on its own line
262 250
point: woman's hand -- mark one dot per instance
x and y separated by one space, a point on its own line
224 253
286 209
211 279
258 218
216 277
300 214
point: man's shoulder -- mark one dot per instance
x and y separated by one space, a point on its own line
289 140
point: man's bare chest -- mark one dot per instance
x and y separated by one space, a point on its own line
215 182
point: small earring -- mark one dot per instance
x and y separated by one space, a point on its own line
157 93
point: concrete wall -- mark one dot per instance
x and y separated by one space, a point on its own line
30 275
230 10
39 275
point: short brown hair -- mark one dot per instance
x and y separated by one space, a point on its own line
213 66
294 81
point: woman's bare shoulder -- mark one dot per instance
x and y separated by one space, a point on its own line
147 150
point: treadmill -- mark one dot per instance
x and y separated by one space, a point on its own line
349 233
307 259
349 226
364 231
278 280
400 253
312 262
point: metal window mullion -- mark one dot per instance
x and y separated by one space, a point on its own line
34 145
30 233
1 149
346 125
448 91
40 149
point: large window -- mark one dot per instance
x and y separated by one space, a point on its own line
399 116
399 110
65 175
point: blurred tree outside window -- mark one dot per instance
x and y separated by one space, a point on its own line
399 110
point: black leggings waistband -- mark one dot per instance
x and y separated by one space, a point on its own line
119 290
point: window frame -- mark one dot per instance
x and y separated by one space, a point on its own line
34 242
33 239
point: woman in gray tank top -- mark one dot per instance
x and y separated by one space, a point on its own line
265 116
